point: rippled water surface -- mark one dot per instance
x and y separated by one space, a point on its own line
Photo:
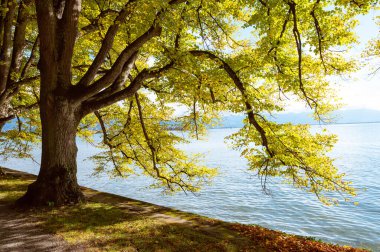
236 195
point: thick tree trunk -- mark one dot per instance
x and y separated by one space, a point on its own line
60 115
56 183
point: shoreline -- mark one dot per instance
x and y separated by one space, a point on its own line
225 235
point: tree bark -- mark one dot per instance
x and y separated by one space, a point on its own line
56 183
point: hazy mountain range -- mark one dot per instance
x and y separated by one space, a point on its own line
339 117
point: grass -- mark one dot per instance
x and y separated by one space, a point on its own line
12 188
105 227
113 223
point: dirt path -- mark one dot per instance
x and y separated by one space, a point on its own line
20 233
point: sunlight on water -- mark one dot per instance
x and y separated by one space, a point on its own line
236 195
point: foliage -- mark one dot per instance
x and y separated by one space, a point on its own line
12 187
281 242
21 136
212 70
143 142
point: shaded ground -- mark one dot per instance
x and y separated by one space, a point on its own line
113 223
19 231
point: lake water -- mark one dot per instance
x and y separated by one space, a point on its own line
236 195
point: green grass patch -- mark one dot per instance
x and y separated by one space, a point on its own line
12 188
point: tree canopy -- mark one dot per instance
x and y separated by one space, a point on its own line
120 67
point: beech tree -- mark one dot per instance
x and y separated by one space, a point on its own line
118 67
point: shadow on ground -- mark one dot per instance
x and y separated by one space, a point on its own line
130 225
21 232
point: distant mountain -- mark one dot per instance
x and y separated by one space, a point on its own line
339 117
236 121
357 116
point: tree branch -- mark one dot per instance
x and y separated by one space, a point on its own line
127 92
15 112
112 74
106 141
319 33
31 58
67 29
120 81
19 39
297 37
94 22
84 93
239 84
5 52
106 45
154 30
